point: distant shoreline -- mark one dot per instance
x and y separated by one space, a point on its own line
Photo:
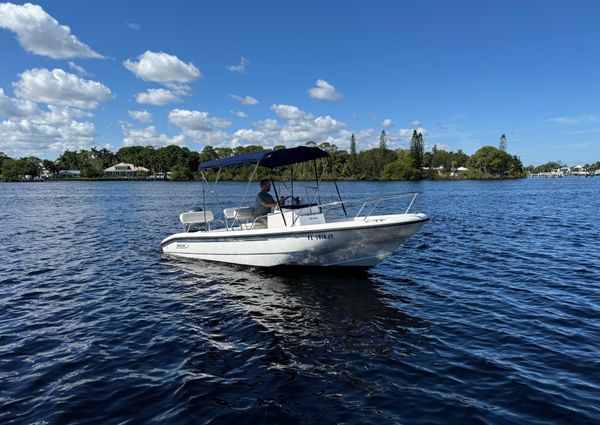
116 179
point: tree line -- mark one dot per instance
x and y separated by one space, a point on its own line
380 163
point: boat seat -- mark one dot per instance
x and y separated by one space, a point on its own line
194 221
196 217
241 213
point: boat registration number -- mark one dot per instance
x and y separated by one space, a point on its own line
320 236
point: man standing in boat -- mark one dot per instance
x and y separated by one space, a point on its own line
264 202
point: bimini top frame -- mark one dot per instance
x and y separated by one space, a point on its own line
269 159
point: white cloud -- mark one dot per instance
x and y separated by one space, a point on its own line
58 87
251 137
16 107
241 68
387 123
26 137
266 133
134 26
324 91
58 115
196 120
240 114
288 112
299 127
31 131
574 120
149 136
200 126
41 34
248 100
415 123
78 69
160 67
141 116
157 97
309 129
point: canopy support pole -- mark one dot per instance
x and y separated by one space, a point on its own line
277 197
204 200
337 188
212 192
292 183
218 175
318 181
248 185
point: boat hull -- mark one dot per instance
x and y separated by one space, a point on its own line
354 243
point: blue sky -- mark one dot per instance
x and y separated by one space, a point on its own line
233 73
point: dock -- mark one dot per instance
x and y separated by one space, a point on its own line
548 175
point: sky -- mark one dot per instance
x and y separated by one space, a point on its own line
76 75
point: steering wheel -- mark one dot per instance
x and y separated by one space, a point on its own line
283 199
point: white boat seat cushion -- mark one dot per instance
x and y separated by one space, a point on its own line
196 217
238 213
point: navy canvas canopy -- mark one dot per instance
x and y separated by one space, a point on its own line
269 159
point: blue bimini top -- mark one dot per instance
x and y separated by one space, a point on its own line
268 159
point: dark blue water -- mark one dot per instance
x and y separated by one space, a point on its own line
491 314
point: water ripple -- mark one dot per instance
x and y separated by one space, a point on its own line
491 314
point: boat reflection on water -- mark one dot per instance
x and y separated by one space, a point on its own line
308 308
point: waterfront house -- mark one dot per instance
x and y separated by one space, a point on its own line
439 170
69 174
579 170
460 171
123 169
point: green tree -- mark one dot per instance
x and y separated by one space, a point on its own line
548 166
350 166
417 149
502 145
371 162
50 166
10 170
489 161
69 160
208 154
401 169
17 169
383 140
105 158
434 156
180 172
3 157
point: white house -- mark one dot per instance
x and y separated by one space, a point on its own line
579 170
123 169
459 171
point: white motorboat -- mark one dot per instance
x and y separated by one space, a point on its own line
294 234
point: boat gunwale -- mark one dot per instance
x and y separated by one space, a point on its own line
262 234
